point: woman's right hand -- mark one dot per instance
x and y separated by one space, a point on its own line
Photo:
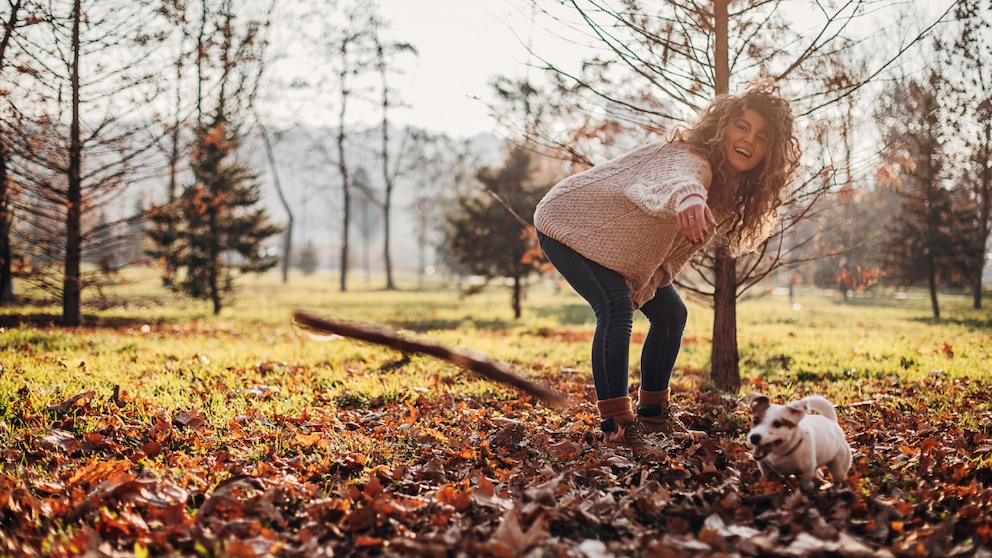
695 218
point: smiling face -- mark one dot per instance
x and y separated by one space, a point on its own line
745 143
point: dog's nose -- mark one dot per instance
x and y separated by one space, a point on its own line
756 439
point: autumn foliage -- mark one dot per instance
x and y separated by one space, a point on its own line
447 473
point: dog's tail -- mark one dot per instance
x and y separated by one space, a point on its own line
822 405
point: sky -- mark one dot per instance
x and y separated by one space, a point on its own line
462 45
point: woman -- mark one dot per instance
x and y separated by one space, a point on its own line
620 232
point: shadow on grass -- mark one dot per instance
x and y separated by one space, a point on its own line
421 326
872 302
965 317
32 319
51 319
567 314
970 323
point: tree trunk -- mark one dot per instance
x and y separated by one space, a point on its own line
725 365
343 167
986 192
287 241
517 296
725 368
346 224
213 266
387 201
976 289
6 254
932 282
387 259
170 261
71 287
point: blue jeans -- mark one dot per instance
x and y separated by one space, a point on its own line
607 292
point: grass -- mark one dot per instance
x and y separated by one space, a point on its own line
175 354
165 402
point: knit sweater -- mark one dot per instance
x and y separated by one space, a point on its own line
621 214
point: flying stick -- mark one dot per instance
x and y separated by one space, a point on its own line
483 367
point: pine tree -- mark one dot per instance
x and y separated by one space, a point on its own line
487 236
216 226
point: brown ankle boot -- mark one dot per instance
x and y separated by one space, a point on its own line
634 435
655 411
619 422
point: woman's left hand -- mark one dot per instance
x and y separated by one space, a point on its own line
695 218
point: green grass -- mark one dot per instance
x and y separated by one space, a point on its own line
174 354
203 399
847 345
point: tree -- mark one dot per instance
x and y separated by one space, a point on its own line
75 84
845 249
921 243
441 170
215 226
659 60
344 41
487 235
308 259
287 242
353 57
384 52
968 48
357 61
12 24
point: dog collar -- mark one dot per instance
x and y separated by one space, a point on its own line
794 448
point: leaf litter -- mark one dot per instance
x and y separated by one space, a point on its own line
487 475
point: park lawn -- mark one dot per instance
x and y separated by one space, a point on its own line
157 423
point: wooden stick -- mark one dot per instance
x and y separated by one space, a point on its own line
480 366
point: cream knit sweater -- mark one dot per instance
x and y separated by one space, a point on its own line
621 213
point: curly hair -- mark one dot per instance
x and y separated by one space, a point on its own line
754 201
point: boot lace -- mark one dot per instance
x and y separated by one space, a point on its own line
634 435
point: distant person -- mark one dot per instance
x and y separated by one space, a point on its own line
620 232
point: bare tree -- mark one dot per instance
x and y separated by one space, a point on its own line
77 73
690 52
11 25
384 53
287 242
440 170
968 48
344 43
352 59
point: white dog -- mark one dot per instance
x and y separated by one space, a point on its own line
788 439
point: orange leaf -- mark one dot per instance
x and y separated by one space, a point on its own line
364 541
373 488
455 495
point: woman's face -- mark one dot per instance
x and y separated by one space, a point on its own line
745 143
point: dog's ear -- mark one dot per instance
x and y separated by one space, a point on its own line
759 403
798 409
